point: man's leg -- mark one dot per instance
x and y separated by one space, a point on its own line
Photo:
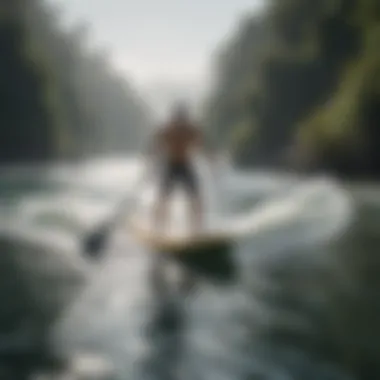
161 206
161 211
196 209
196 217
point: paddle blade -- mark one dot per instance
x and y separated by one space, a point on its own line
94 244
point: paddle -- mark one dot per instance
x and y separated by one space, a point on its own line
95 242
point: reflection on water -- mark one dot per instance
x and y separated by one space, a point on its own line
134 314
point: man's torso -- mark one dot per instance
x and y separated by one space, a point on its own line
178 141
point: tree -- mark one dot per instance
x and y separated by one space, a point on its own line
292 75
63 97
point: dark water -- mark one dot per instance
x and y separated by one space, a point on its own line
303 304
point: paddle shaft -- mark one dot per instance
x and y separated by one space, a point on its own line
96 241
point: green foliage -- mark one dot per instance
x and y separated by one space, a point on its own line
21 94
307 78
60 99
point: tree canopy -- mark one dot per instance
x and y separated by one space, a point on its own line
299 84
60 98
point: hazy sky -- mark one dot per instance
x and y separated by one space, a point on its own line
160 42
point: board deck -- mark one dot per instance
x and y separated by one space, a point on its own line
208 255
210 240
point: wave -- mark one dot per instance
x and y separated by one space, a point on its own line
260 326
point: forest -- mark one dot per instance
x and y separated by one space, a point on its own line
298 87
61 99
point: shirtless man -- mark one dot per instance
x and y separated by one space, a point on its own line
176 141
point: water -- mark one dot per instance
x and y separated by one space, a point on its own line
278 320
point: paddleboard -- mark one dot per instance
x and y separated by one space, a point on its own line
208 254
173 243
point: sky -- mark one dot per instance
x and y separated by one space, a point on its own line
163 46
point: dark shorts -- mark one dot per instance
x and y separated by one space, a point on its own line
182 174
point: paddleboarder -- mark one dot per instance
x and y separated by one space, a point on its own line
176 141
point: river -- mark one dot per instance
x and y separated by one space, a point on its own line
305 268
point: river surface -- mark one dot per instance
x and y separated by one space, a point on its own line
291 312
